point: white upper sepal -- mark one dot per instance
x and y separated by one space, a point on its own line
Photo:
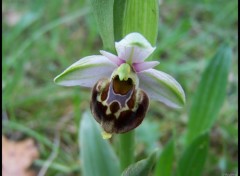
86 72
162 87
134 48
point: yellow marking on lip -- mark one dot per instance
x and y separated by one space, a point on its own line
108 110
106 135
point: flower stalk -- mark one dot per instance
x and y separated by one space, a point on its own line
126 149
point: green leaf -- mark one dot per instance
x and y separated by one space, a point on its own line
118 12
210 94
192 161
137 16
141 168
97 156
103 13
165 161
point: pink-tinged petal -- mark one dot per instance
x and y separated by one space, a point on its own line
112 57
134 47
138 67
86 72
162 87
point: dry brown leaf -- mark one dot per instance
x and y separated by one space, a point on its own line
18 156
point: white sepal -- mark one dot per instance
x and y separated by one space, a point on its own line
86 72
162 87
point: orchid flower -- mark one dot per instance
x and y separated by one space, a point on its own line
122 84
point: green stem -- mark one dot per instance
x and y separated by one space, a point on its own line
126 149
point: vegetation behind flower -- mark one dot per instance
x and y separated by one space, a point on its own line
54 34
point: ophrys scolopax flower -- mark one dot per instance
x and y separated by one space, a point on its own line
122 85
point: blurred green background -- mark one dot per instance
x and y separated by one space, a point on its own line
41 38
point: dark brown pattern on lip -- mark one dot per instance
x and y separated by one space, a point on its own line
113 116
105 93
114 107
122 87
131 101
129 119
98 109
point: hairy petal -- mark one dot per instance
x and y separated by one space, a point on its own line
134 47
162 87
138 67
86 72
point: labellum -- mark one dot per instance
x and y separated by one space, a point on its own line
118 104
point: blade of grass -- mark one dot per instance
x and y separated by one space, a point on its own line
63 168
192 161
13 60
26 21
17 126
210 94
165 160
43 30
